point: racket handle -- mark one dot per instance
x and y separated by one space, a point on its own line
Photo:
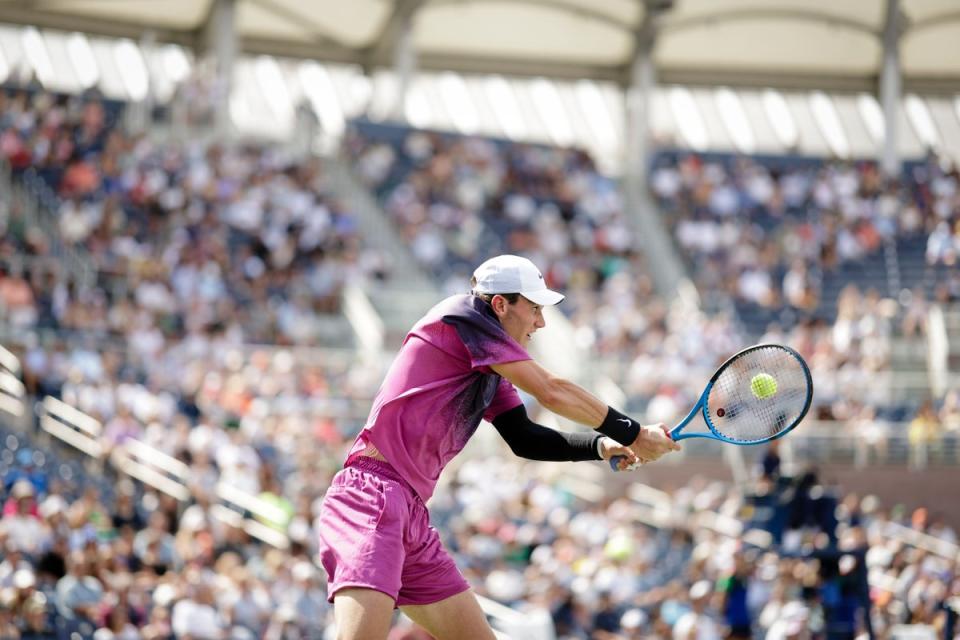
615 462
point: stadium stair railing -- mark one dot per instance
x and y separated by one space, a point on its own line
160 471
12 390
938 350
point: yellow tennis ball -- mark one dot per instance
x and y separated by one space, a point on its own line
763 385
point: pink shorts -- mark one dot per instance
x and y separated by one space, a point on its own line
375 533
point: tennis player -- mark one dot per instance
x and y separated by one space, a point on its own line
463 361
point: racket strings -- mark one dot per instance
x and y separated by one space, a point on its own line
737 414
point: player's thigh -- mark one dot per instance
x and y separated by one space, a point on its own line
458 617
362 614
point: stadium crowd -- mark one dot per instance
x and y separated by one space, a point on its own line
181 236
201 252
102 557
762 229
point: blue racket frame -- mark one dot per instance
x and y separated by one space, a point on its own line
701 405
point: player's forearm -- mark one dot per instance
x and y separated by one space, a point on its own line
576 403
569 400
573 402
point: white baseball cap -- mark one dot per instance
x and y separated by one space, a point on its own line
513 274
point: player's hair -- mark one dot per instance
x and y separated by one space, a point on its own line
487 297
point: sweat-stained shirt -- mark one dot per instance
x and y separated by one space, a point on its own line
438 389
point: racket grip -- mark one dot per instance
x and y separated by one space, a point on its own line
615 462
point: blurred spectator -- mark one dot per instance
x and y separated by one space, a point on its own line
8 625
698 623
915 315
17 300
770 461
606 618
791 625
36 624
923 431
196 615
734 607
21 524
79 593
27 469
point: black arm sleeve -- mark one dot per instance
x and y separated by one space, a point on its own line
533 441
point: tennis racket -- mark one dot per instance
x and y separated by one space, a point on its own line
757 395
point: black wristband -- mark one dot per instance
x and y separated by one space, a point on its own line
619 427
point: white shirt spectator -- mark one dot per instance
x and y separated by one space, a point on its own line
196 620
755 285
696 626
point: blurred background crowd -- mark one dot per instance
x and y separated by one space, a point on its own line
212 331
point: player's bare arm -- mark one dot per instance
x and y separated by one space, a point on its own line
570 400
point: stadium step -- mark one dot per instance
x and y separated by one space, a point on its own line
409 291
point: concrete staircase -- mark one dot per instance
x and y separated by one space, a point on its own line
409 292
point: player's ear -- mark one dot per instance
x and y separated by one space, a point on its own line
499 304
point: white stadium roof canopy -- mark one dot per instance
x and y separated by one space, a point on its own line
789 44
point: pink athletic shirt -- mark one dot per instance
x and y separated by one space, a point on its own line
438 389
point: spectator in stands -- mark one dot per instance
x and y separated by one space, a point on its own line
36 623
923 431
26 469
14 560
770 461
120 428
570 617
154 545
698 623
8 625
21 525
606 618
871 434
196 616
792 623
734 606
915 315
17 300
942 245
79 594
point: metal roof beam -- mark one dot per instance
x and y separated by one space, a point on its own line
736 15
384 46
891 88
933 21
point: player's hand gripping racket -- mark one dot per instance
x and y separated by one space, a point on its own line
757 395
